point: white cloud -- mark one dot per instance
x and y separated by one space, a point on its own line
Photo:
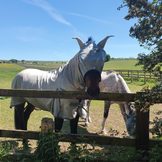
49 9
90 18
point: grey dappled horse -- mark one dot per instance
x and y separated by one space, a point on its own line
82 70
112 82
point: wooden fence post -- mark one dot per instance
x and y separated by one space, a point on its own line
145 78
142 131
128 73
46 125
131 76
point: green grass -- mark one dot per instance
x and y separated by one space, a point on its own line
121 65
7 73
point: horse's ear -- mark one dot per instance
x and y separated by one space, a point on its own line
103 42
80 42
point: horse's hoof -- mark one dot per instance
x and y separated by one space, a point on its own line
131 137
103 132
86 124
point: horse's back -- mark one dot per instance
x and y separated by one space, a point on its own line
25 79
109 82
35 79
113 82
38 80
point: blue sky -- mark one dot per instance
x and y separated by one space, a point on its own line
43 29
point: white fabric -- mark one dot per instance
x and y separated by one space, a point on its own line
68 77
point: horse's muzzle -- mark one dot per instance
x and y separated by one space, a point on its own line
93 93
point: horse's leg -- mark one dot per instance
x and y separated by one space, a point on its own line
19 116
20 120
58 124
74 124
106 112
88 118
128 108
28 110
122 109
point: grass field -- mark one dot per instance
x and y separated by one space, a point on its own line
122 64
114 125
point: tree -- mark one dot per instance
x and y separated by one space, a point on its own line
23 61
35 62
13 61
107 58
147 30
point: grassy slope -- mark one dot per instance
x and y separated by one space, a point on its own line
121 65
114 121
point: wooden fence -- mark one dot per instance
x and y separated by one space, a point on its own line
141 142
136 74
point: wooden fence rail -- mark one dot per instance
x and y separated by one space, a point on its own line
141 142
99 140
66 94
135 74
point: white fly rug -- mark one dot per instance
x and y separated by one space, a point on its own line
68 77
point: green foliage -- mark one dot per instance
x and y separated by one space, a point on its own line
147 31
155 154
48 148
142 102
35 62
156 130
107 58
13 61
149 97
4 152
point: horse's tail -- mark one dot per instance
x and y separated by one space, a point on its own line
123 86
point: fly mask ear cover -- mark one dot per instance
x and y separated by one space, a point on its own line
93 70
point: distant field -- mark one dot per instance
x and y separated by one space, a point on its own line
122 64
7 73
116 64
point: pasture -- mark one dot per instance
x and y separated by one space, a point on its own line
114 125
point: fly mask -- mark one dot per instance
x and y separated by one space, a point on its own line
91 62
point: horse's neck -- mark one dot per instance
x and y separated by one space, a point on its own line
72 73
